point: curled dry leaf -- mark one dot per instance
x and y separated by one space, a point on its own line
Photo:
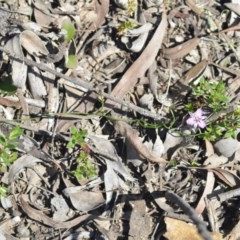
182 49
38 216
131 135
19 69
21 163
33 44
226 176
142 33
36 84
115 167
112 182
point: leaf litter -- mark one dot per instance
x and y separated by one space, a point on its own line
121 73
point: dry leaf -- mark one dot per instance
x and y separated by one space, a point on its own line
61 208
38 216
86 200
142 33
179 230
19 69
33 44
131 135
228 177
42 18
207 190
195 72
36 84
144 61
235 7
21 163
209 148
101 8
182 49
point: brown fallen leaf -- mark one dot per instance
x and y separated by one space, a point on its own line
207 190
209 148
33 43
141 65
179 230
101 9
226 176
42 218
182 49
195 72
131 135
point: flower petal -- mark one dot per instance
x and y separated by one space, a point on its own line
191 121
201 124
199 113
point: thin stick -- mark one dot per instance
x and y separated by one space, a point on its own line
202 229
84 86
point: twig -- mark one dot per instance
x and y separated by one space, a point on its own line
171 196
84 86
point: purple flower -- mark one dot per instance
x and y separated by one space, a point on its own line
197 119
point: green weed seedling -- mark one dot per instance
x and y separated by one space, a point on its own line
214 96
8 154
8 145
84 169
71 60
132 7
125 26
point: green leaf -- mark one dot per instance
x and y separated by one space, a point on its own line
71 143
3 140
73 130
5 157
11 145
12 157
15 133
3 191
70 29
71 61
6 85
